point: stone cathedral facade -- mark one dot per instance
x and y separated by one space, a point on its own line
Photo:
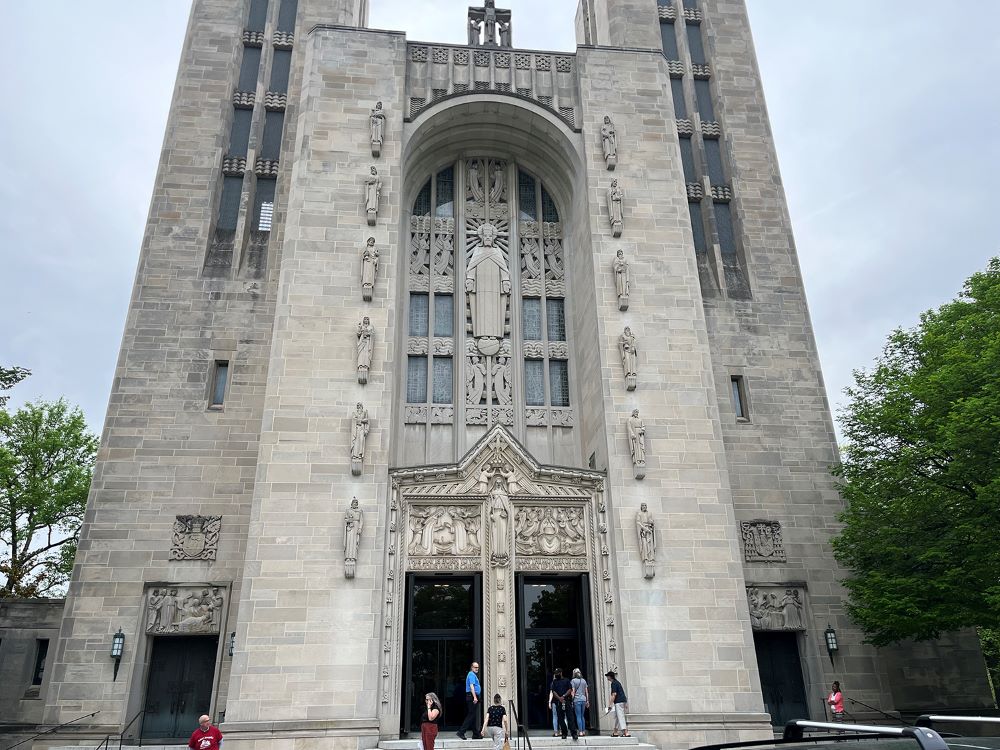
447 353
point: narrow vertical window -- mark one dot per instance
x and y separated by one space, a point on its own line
249 67
445 205
444 315
677 92
534 382
555 319
698 229
738 389
703 93
286 15
443 380
416 380
219 378
280 67
687 159
270 144
668 37
239 134
695 46
532 315
41 654
526 197
691 4
263 207
713 158
257 15
418 314
724 226
559 382
229 204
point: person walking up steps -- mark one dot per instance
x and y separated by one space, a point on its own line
618 702
561 691
473 692
430 722
581 700
496 726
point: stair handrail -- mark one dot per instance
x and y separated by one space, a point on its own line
105 743
53 729
878 711
121 736
522 731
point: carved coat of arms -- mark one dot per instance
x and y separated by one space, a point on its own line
196 537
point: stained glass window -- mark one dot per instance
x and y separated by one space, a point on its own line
555 319
444 315
532 318
526 197
443 384
445 193
416 380
534 382
559 382
418 314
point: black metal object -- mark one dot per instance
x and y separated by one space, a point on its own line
877 710
121 737
927 738
522 730
927 720
53 729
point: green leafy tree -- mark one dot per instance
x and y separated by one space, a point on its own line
921 474
46 464
9 377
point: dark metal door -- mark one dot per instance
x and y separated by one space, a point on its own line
179 686
781 676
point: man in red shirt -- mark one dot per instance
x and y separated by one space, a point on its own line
205 737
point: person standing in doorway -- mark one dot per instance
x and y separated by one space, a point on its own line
473 692
618 702
561 694
581 700
430 721
496 724
836 702
205 737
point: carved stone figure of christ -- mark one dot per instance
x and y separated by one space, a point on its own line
622 280
637 443
373 190
629 354
490 22
377 126
499 521
609 143
646 530
369 269
353 523
366 346
487 282
359 433
615 198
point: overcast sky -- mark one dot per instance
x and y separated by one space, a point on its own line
885 114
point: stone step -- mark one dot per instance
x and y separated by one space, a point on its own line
448 741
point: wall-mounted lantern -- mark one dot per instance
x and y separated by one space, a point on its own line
831 642
117 648
232 643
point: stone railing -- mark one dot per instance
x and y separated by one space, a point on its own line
435 72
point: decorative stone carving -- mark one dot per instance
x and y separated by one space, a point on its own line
615 197
182 610
366 347
444 530
444 563
369 269
622 280
770 609
475 381
420 253
762 541
360 427
354 521
444 246
629 354
609 143
501 380
499 520
550 531
373 191
196 537
487 282
646 530
636 431
554 266
376 124
489 27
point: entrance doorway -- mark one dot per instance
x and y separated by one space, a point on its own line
553 631
443 637
179 686
781 676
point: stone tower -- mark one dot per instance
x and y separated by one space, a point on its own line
447 353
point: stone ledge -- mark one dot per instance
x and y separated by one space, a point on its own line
248 730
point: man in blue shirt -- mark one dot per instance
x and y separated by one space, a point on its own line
473 692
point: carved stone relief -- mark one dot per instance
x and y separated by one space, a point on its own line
609 143
354 521
487 272
376 124
615 198
196 538
369 269
629 353
622 280
636 430
182 610
444 530
366 348
373 191
550 531
646 530
762 541
776 608
360 426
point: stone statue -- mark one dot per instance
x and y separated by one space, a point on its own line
609 143
627 350
377 126
615 198
637 443
499 521
493 24
366 347
359 433
647 540
153 610
504 33
487 282
354 521
622 280
373 191
475 32
501 380
475 381
369 269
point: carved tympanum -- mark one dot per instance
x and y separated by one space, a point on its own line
548 530
196 538
182 610
776 608
762 541
445 530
